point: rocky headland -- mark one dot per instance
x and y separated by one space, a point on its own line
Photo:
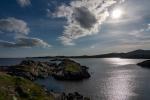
66 70
71 70
19 78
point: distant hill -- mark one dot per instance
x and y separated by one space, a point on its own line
137 54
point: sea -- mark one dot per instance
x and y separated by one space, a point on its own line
111 79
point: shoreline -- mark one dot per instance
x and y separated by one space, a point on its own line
32 70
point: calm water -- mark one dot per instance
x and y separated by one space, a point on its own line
112 79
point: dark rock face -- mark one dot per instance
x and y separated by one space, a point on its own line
145 64
72 96
32 69
20 73
71 70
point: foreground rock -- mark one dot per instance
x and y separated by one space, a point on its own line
71 70
145 64
72 96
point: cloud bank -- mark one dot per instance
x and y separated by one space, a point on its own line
13 25
24 3
30 42
21 30
84 17
24 42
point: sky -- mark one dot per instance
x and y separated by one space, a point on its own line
72 27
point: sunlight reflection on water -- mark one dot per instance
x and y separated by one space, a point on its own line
120 61
127 81
119 86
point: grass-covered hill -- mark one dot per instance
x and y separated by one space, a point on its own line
18 88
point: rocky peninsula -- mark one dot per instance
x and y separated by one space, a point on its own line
17 81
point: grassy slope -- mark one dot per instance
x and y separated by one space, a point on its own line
72 68
17 88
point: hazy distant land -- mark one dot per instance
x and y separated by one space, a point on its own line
137 54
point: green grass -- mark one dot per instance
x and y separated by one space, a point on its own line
25 68
72 68
17 88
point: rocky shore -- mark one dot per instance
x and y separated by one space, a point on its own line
145 64
29 70
66 70
72 96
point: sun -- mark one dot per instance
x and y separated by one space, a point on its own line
117 13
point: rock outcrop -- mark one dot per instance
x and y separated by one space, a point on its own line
67 69
145 64
31 69
71 70
72 96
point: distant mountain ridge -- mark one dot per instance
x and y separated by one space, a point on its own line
137 54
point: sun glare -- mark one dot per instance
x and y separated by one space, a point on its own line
117 13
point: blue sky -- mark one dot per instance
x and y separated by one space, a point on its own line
70 27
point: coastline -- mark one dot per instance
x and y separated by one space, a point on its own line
32 70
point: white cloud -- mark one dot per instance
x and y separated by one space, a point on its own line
148 26
24 3
84 18
140 32
30 42
13 25
139 38
20 28
24 42
6 43
92 46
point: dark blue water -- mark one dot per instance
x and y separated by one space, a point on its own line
112 79
14 61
